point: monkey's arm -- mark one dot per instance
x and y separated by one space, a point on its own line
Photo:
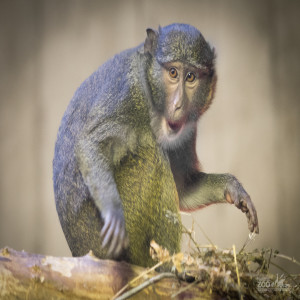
197 189
96 150
203 189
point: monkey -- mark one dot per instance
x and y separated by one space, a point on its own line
125 155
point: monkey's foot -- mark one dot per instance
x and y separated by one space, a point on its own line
235 194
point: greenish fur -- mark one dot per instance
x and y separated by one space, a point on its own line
146 198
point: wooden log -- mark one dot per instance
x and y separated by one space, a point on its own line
33 276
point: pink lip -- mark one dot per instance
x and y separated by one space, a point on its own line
175 126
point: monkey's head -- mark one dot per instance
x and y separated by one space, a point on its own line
182 80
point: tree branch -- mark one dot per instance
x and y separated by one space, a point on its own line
33 276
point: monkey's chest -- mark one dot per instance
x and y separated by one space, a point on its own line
148 192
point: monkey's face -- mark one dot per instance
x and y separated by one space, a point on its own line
188 93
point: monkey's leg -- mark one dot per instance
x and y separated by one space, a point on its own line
203 189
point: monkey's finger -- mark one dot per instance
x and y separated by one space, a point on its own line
122 241
251 215
250 220
107 222
114 240
109 233
244 209
119 248
244 203
250 224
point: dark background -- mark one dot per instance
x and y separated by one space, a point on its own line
47 48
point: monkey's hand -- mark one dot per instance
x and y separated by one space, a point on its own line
113 232
235 194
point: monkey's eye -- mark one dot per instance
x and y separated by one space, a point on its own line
190 77
173 73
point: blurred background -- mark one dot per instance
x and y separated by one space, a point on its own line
252 130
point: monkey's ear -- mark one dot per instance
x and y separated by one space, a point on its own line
151 41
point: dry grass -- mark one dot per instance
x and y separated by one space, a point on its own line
224 272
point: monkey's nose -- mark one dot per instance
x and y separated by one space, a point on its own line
177 106
178 100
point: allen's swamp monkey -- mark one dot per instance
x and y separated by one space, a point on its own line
125 153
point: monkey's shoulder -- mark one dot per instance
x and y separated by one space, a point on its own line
115 83
113 77
114 90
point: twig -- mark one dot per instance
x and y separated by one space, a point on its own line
135 279
270 257
250 238
206 236
145 284
292 259
237 272
203 232
185 230
185 288
284 271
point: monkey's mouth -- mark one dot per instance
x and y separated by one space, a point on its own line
175 126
